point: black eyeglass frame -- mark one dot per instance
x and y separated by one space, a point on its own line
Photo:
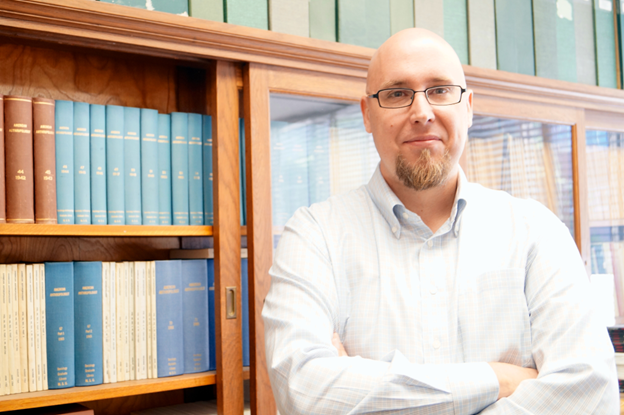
376 95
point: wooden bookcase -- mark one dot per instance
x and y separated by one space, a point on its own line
108 54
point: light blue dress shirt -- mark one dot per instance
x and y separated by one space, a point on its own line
421 314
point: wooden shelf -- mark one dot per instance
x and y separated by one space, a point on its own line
103 230
106 391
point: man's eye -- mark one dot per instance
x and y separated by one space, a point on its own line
397 94
438 91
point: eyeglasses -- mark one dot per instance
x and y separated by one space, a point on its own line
403 97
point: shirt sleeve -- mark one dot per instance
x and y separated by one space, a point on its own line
571 349
307 376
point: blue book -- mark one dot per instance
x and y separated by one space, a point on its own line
245 307
132 165
59 286
164 169
243 169
196 186
98 164
169 325
64 146
179 168
82 165
208 200
212 348
115 165
195 307
149 166
88 323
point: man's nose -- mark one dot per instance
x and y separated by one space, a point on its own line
421 111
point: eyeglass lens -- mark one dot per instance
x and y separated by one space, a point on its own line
438 95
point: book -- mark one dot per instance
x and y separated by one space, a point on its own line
250 13
584 41
212 342
4 331
605 44
128 334
18 148
98 164
148 319
207 9
172 6
566 42
115 203
106 323
132 165
245 309
179 167
195 317
323 19
207 165
121 304
113 322
164 169
64 145
154 334
149 166
290 16
140 320
37 308
401 15
132 297
169 324
17 345
44 334
88 322
456 27
32 346
82 164
482 33
514 36
195 170
23 328
363 23
44 161
2 177
429 15
60 324
14 354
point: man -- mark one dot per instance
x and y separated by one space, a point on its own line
448 297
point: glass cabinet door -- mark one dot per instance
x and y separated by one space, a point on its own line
527 159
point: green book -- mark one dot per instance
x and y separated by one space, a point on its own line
250 13
605 43
482 33
584 42
456 27
206 9
545 29
363 22
323 19
566 42
514 36
401 15
290 16
169 6
429 15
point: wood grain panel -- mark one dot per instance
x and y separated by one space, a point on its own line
580 190
103 230
57 248
260 239
226 171
523 110
126 405
605 121
84 77
310 83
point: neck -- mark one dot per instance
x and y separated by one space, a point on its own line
433 205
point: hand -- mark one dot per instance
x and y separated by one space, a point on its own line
510 376
338 345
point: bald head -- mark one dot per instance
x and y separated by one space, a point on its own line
420 47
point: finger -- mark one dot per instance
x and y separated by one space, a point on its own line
338 345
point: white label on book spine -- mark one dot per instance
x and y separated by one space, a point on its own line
32 351
106 322
44 340
37 303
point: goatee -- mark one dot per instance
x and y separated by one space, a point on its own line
425 173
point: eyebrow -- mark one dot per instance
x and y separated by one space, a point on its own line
401 83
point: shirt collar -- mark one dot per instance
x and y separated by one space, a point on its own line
391 207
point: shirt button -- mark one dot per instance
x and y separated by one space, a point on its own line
405 215
430 243
394 229
436 344
433 290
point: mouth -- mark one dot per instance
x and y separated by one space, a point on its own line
428 139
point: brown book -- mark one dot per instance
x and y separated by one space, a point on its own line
2 191
45 160
18 147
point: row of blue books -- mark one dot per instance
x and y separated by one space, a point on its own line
133 166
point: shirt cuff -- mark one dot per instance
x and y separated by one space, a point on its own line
474 387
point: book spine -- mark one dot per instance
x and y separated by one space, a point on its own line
115 205
154 323
566 45
290 16
17 346
164 169
37 309
364 23
18 146
179 167
23 328
245 309
514 36
207 166
32 347
584 41
323 19
120 280
3 367
605 44
212 348
249 13
113 323
88 322
429 15
195 317
207 9
64 145
98 164
482 33
106 332
16 384
132 320
456 27
60 324
132 165
2 176
195 170
148 318
139 321
44 161
4 332
170 333
172 6
44 334
149 166
125 334
401 15
82 164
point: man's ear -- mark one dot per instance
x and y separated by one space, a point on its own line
469 97
365 113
